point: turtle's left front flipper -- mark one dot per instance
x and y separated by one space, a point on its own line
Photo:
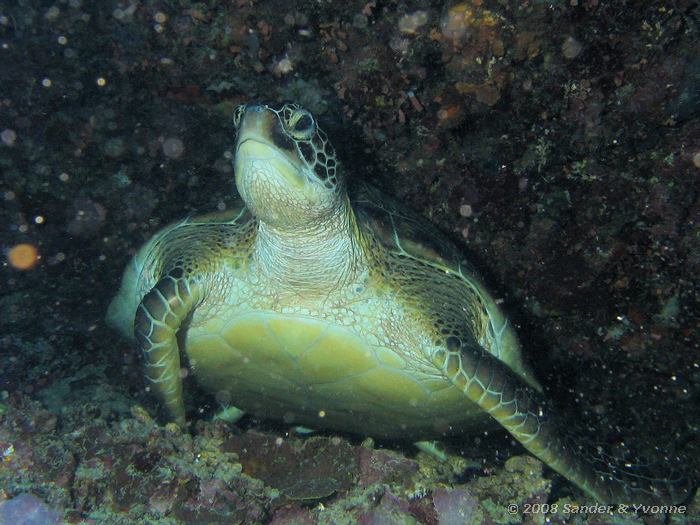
523 412
159 317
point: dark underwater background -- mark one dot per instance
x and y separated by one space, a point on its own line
557 142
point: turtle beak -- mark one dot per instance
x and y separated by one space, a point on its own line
263 145
255 123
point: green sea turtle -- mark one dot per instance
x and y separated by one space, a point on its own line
338 309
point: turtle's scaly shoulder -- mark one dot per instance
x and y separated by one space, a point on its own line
196 245
200 243
429 272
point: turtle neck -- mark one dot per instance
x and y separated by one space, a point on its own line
314 259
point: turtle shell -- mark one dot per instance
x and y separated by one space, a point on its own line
400 229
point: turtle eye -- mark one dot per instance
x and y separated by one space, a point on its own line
302 125
238 115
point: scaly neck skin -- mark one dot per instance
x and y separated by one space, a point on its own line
315 260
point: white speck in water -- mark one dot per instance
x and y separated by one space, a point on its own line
571 48
52 13
173 148
8 137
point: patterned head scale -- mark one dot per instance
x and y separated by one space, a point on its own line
296 131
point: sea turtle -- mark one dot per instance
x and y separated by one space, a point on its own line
338 309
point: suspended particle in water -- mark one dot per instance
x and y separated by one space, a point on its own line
571 48
465 210
23 256
8 137
85 217
173 148
52 13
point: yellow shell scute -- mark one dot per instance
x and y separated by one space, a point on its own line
322 363
296 337
390 359
393 387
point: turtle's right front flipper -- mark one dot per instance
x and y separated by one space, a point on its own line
159 317
523 412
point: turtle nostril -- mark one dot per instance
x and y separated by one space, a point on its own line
255 107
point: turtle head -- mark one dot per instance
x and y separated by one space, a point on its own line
286 170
